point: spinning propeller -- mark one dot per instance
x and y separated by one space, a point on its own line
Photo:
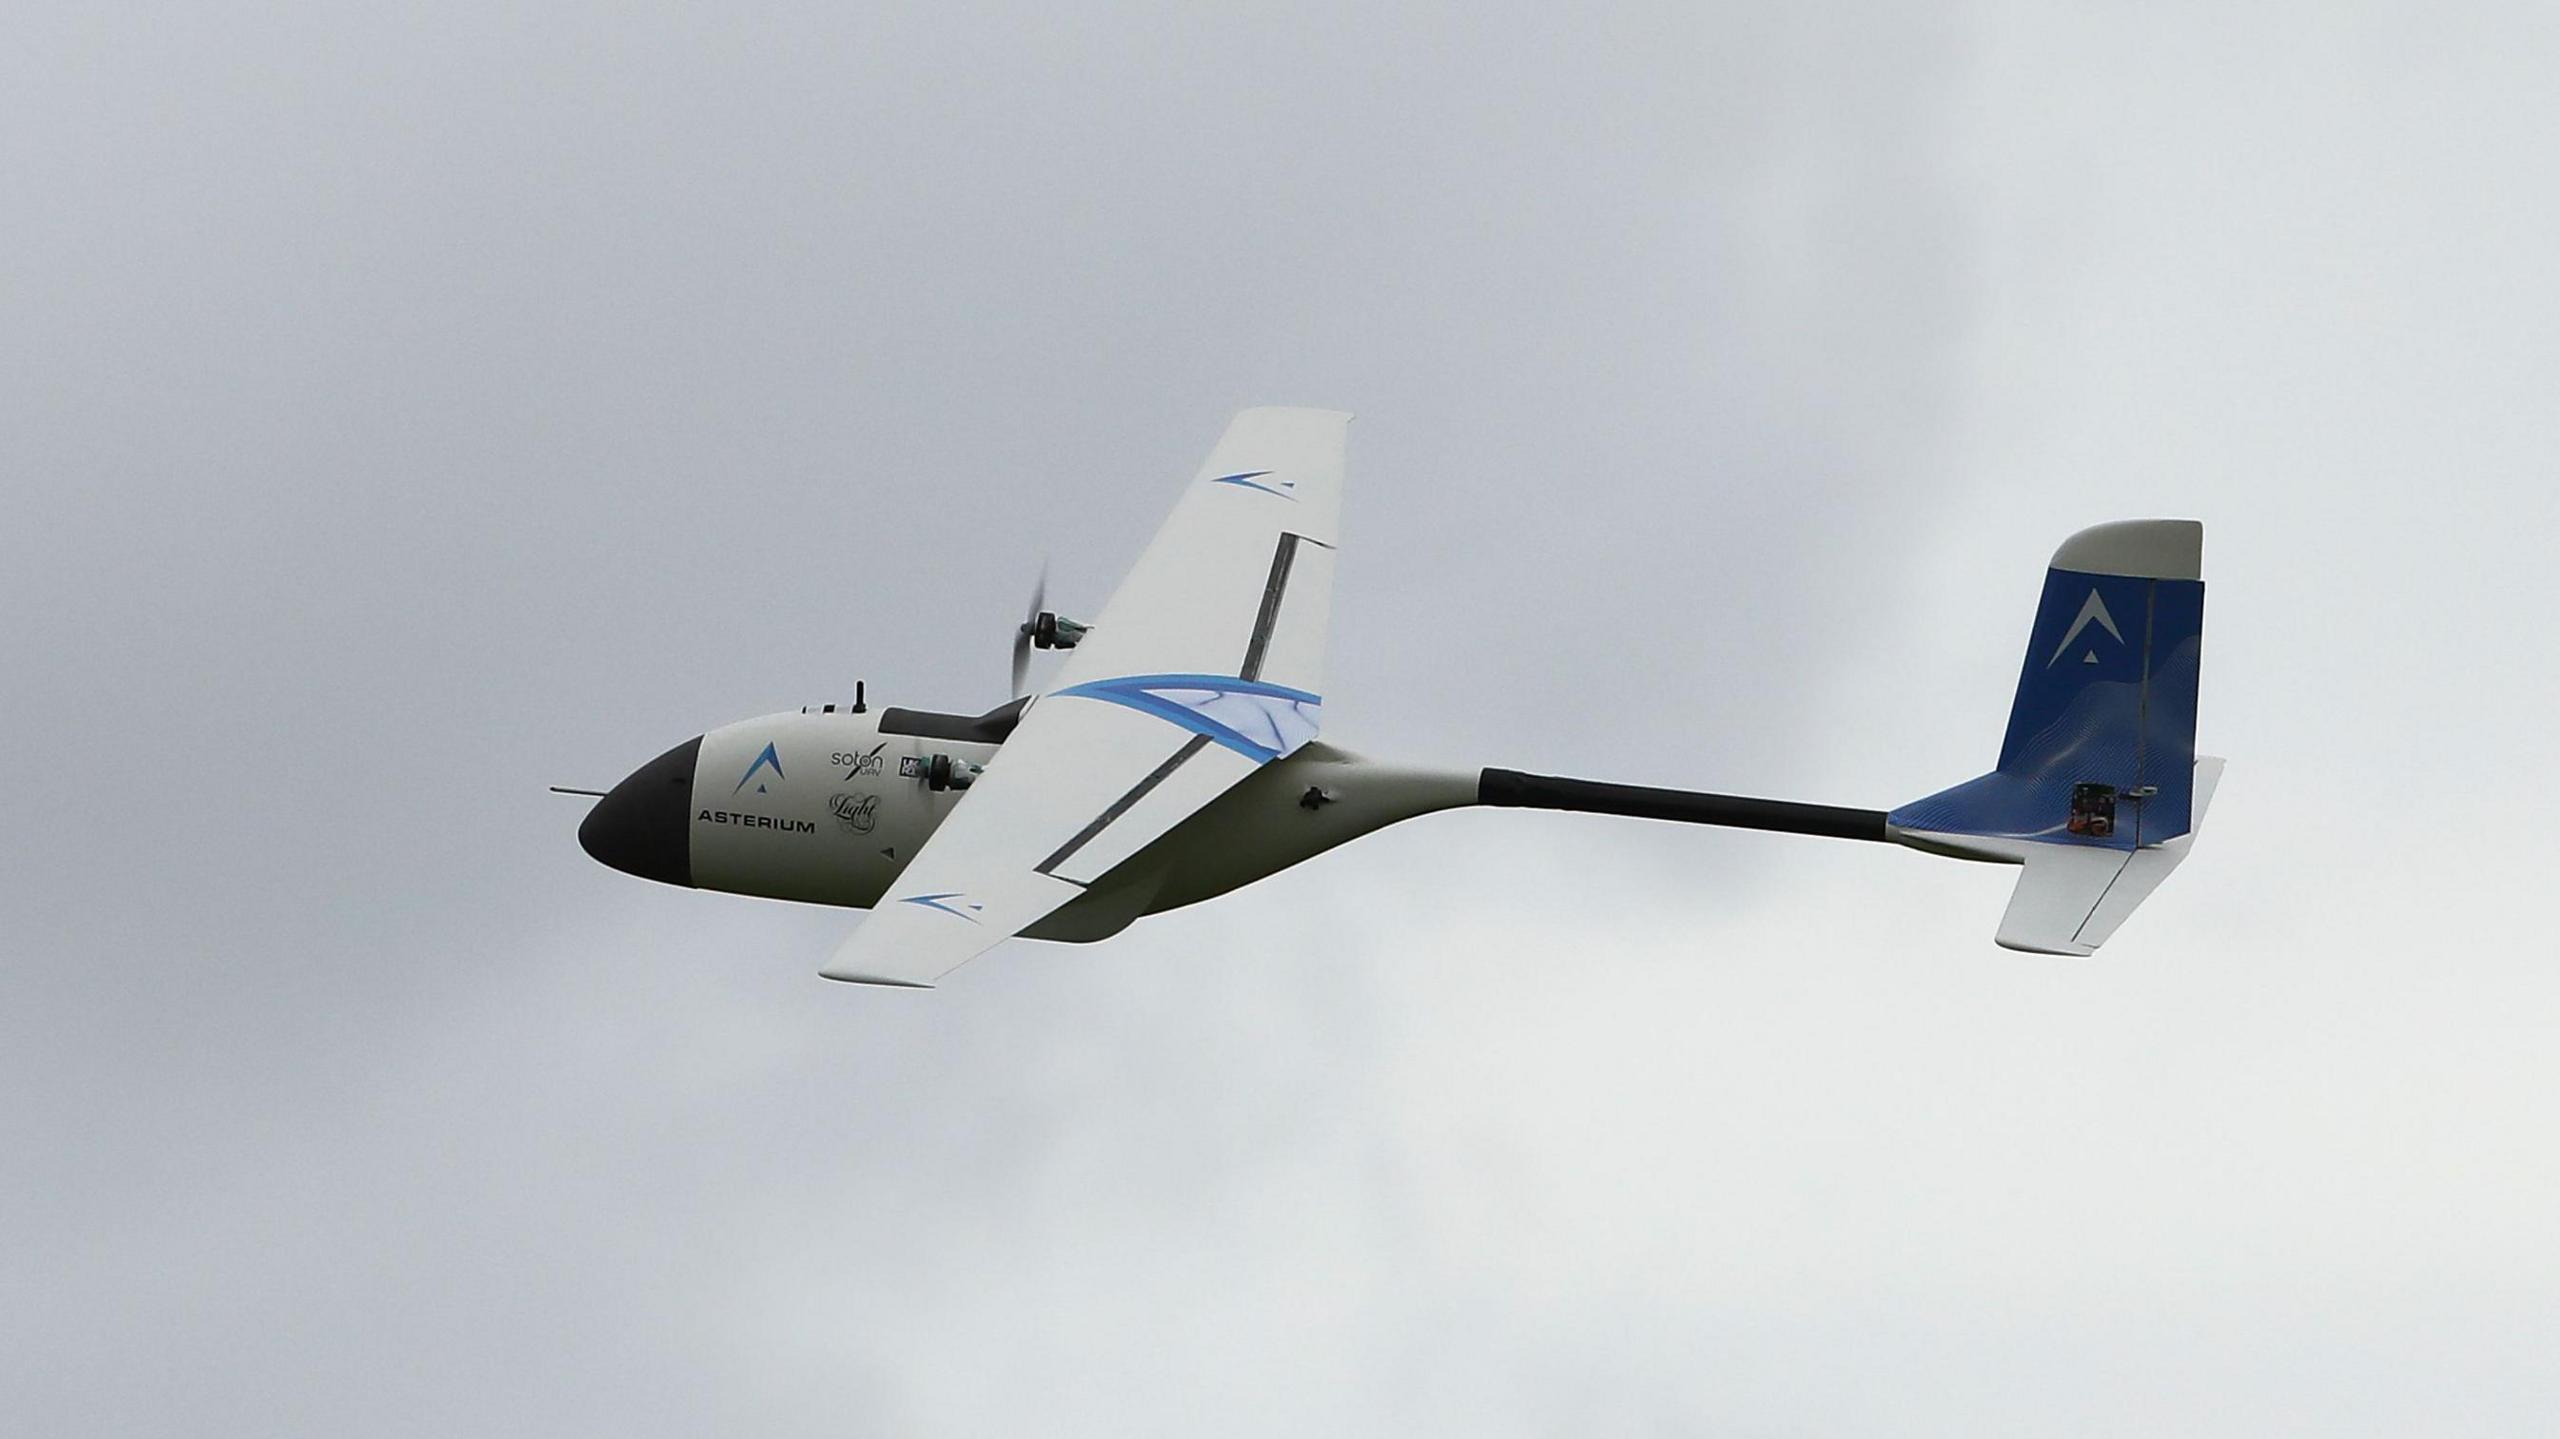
1043 628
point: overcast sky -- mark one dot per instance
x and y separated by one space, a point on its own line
408 406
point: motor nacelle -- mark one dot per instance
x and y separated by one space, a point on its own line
944 771
1050 630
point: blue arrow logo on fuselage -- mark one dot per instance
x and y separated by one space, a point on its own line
766 760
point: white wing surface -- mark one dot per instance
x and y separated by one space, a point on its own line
1207 664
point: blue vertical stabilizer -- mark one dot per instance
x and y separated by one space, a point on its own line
2100 753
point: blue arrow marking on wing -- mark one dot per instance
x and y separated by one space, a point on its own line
935 901
1246 481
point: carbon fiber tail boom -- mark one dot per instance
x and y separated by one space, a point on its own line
1511 788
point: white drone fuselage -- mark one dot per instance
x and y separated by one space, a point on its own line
843 805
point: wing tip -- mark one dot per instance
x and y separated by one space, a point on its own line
876 981
2058 948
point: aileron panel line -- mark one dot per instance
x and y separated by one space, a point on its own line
1119 807
1281 556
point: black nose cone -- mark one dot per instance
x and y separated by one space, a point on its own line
644 826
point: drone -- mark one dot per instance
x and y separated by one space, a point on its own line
1177 755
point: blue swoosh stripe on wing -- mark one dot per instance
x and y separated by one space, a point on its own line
1280 718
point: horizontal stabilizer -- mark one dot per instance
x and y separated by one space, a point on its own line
2070 898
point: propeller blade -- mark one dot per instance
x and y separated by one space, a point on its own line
1022 633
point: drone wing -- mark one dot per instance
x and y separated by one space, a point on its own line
1207 664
